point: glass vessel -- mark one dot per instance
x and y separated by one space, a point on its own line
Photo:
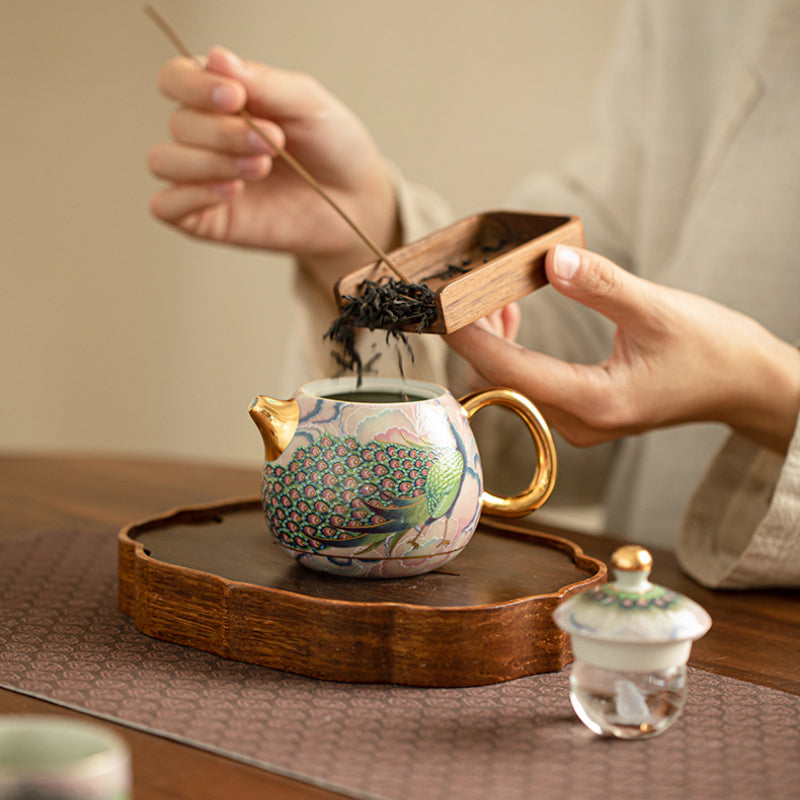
631 640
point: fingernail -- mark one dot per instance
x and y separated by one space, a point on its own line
224 97
226 188
567 262
233 60
249 166
257 143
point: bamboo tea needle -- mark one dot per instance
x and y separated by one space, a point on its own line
287 157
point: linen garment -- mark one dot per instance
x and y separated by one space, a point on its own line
692 180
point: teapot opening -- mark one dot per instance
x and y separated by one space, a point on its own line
374 390
375 397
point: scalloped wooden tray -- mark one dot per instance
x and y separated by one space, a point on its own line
210 577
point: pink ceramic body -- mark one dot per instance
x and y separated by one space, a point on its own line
375 489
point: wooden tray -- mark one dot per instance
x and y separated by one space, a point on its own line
503 252
210 577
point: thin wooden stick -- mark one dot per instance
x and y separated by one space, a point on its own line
290 160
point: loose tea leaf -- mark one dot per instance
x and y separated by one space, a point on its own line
393 305
388 304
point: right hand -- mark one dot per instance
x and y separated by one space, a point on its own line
225 186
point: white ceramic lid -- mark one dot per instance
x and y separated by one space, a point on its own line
631 609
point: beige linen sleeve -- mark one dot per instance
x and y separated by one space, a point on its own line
742 527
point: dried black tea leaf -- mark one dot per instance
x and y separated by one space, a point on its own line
389 304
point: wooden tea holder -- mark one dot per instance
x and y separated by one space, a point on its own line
503 255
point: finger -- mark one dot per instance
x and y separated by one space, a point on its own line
180 164
184 80
223 133
575 430
598 283
272 93
562 392
510 316
178 203
502 322
492 322
571 388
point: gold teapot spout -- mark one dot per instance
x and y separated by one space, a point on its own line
277 421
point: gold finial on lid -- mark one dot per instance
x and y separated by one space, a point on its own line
632 558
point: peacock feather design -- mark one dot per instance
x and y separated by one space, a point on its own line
339 493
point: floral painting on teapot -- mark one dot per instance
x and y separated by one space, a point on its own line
375 489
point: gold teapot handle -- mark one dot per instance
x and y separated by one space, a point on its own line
544 478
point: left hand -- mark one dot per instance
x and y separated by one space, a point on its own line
677 358
503 323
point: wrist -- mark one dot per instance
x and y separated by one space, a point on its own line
771 419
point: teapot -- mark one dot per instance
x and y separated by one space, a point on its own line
381 477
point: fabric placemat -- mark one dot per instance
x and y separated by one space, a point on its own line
63 639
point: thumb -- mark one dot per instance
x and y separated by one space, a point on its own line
598 283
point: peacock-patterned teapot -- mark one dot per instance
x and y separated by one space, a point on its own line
381 477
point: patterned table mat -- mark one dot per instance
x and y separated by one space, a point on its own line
63 639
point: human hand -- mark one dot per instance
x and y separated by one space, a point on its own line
503 323
677 358
225 185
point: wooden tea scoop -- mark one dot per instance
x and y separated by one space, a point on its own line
287 157
473 267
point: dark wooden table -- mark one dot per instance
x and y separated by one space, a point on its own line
755 637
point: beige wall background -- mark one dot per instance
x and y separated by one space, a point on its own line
119 334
